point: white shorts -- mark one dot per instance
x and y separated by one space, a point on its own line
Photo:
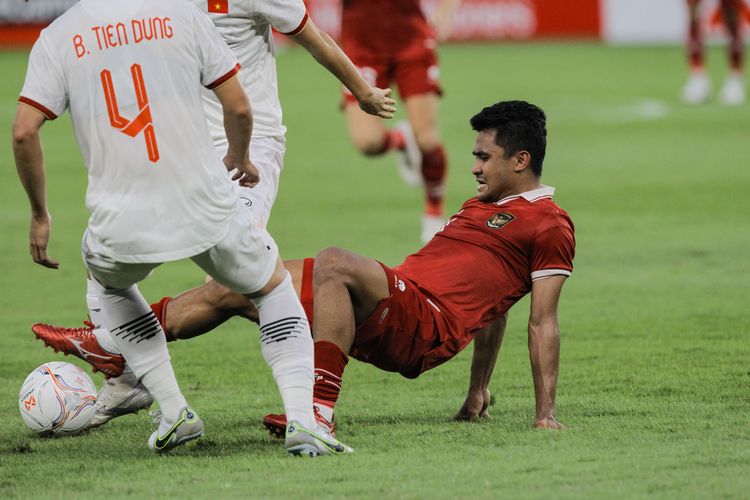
243 260
267 154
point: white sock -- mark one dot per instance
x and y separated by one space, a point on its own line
96 316
105 340
171 399
138 335
287 347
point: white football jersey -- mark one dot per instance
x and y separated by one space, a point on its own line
245 25
131 74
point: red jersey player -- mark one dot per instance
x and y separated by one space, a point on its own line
697 90
391 41
511 239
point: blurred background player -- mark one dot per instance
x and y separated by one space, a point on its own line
158 191
697 90
391 41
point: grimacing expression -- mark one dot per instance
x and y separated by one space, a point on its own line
494 171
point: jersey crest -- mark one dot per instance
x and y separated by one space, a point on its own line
499 220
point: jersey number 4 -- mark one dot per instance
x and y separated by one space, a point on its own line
141 123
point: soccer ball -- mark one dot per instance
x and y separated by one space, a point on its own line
57 398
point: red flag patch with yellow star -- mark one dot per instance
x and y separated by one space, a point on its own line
218 6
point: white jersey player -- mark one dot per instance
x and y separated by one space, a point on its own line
130 72
246 26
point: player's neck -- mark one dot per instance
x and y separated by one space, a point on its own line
522 186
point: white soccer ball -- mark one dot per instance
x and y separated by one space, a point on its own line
57 398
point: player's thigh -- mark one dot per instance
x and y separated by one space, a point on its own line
245 259
109 272
367 132
364 278
422 110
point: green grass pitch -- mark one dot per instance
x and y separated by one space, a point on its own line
654 383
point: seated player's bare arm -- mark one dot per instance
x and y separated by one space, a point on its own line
487 344
544 348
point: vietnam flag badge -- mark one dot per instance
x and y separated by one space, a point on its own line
218 6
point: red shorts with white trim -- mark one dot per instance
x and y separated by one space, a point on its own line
415 75
404 328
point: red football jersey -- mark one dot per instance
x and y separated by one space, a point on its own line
384 28
484 260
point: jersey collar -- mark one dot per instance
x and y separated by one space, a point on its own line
530 196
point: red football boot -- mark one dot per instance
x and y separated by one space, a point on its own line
82 343
275 423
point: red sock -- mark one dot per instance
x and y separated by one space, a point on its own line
306 289
434 167
736 47
395 140
160 309
329 367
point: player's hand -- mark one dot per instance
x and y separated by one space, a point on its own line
548 423
378 103
244 171
38 240
476 405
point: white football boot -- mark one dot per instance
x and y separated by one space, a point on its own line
120 396
732 93
697 90
301 441
187 427
409 160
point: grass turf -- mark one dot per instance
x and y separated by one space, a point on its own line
654 385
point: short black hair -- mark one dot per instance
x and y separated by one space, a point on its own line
518 126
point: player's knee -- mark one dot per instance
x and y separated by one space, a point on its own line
370 146
332 264
428 140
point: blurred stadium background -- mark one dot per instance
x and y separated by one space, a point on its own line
654 385
613 21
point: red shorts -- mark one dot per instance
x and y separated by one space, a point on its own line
402 331
414 75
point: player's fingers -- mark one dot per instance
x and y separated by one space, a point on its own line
34 251
49 263
385 114
249 181
41 258
387 92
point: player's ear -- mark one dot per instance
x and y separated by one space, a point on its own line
521 160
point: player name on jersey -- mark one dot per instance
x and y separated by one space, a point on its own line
115 35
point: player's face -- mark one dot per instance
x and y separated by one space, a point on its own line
494 171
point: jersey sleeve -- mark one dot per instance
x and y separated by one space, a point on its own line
44 87
286 16
553 251
217 62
